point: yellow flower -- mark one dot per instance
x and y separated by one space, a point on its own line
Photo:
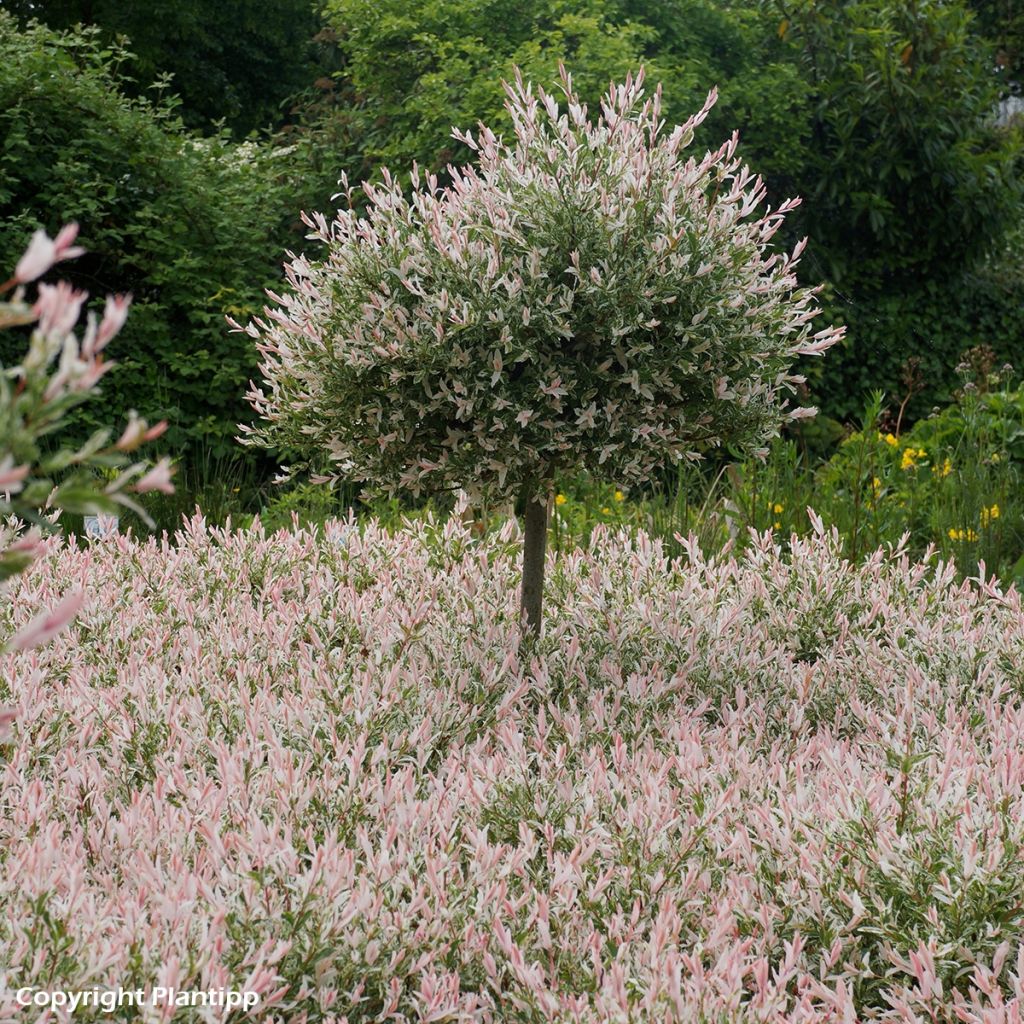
777 508
988 514
876 486
945 469
778 526
890 440
606 511
961 535
907 462
996 458
619 496
560 499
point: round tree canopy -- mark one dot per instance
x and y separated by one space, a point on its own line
585 295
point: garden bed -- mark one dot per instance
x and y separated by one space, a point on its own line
319 767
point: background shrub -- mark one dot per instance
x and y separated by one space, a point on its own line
922 332
189 225
233 61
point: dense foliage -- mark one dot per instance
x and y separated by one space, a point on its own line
786 788
878 111
187 225
908 342
409 74
775 777
1002 21
589 296
905 173
416 72
233 60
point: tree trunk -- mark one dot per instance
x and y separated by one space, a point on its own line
535 542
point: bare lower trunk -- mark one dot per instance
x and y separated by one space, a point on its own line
535 542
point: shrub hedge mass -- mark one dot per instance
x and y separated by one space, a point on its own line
782 789
186 224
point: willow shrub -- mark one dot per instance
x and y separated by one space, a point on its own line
585 296
56 375
782 787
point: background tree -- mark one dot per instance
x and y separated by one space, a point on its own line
233 60
409 73
910 177
586 297
192 226
880 110
912 187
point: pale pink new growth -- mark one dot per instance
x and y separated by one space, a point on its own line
11 476
115 314
7 718
43 252
138 432
45 626
780 789
157 479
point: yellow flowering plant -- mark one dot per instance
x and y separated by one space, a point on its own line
582 502
946 482
961 535
989 515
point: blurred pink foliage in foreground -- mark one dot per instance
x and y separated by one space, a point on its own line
58 374
781 789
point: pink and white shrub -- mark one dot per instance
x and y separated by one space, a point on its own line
781 789
589 295
58 374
